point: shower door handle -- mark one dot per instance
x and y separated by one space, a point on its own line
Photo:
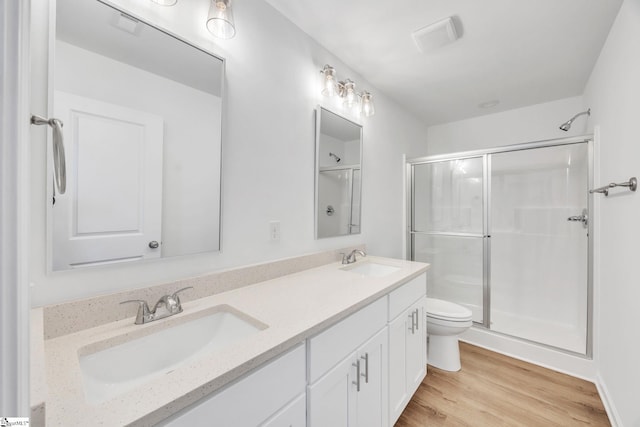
584 218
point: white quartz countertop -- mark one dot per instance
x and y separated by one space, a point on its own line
295 307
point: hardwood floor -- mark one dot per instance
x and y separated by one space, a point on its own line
496 390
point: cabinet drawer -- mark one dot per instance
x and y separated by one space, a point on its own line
251 400
334 344
406 295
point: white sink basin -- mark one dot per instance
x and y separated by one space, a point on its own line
121 366
371 269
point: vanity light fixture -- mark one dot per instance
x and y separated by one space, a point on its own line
220 20
349 93
165 2
367 104
328 81
346 90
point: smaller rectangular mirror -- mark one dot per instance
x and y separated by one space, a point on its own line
338 174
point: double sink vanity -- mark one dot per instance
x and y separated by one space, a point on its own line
330 345
305 341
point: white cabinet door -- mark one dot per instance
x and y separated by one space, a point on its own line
417 349
331 398
339 399
399 331
407 357
371 400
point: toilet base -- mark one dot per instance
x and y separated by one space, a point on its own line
443 352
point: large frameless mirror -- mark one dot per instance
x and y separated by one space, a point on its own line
338 174
142 127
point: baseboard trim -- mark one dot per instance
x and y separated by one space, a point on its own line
612 413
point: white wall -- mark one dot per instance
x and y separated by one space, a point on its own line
612 92
534 123
268 156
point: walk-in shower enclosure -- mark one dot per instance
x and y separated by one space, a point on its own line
507 233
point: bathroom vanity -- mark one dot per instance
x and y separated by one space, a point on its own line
331 345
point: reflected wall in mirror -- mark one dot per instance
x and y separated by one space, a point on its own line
142 126
338 174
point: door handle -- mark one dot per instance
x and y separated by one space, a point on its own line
154 245
584 218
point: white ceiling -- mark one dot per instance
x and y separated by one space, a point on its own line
515 51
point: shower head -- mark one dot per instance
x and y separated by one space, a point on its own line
335 157
567 125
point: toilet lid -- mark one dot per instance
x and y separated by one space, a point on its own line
441 309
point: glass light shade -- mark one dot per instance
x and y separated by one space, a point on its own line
366 105
220 20
328 81
349 93
165 2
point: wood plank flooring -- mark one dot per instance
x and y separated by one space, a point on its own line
496 390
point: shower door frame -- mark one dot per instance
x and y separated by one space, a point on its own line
486 221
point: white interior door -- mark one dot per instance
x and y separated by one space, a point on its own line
113 153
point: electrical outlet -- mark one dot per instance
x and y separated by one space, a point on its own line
274 231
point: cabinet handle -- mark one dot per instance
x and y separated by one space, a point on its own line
417 318
412 323
366 367
357 381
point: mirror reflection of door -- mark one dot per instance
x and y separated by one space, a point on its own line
143 112
112 209
338 172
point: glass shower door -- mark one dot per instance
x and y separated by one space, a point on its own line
538 257
448 229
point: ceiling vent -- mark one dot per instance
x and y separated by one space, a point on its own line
436 35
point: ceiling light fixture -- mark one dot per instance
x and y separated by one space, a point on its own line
330 86
220 20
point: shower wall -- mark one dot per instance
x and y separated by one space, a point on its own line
338 202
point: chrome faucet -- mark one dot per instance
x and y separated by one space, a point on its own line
351 258
169 305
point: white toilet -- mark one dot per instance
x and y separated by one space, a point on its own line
445 321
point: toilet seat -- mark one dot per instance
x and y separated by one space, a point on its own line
447 311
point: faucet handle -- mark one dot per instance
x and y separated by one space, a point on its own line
175 294
176 298
345 258
143 310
